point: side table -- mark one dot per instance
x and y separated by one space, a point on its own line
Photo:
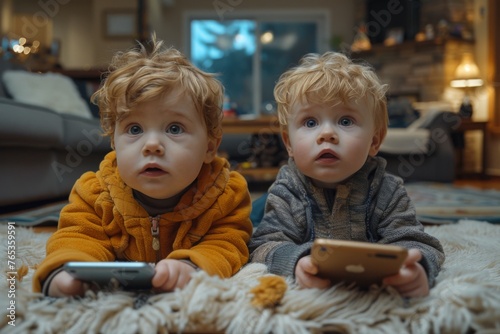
470 125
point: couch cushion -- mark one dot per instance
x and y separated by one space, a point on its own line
27 175
404 141
4 66
50 90
24 125
84 135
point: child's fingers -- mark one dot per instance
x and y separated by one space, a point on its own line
161 275
310 281
308 266
414 255
63 284
171 274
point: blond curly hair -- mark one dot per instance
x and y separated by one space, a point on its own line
139 75
331 78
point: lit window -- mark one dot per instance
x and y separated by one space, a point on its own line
250 54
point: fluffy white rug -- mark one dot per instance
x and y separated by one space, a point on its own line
465 299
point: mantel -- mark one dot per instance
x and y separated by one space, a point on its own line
422 68
410 45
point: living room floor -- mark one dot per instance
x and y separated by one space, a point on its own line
492 182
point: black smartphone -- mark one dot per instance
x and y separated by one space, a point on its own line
127 275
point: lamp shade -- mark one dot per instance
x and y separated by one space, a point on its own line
467 73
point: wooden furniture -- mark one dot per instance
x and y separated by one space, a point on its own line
470 125
263 125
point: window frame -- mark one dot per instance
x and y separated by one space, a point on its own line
320 16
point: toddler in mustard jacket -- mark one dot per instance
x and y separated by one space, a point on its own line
162 195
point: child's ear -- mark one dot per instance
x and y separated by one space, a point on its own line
213 146
286 141
376 142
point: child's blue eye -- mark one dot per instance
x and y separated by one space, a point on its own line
310 123
175 129
134 130
345 121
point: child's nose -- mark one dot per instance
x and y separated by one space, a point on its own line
153 145
328 134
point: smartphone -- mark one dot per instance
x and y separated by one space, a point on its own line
364 263
127 275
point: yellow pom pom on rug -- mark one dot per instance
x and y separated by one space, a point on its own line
269 292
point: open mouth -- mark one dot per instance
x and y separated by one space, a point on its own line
327 157
153 171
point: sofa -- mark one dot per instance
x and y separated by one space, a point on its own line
423 150
44 150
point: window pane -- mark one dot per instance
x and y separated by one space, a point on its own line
283 44
227 48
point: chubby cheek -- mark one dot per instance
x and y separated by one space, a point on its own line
299 146
123 168
125 162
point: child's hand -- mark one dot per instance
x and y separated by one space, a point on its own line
305 275
65 285
171 274
411 281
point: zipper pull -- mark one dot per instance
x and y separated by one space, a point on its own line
155 232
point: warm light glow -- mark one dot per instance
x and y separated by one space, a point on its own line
467 73
17 48
467 68
267 37
466 83
22 47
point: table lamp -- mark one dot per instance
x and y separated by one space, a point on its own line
466 76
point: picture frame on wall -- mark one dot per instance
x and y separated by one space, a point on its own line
119 24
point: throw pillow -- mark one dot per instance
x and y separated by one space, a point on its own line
50 90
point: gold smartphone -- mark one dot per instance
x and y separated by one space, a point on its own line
365 263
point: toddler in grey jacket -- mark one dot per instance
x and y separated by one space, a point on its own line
333 117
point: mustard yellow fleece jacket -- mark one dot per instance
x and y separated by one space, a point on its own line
210 226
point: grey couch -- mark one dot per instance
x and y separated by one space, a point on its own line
423 151
43 152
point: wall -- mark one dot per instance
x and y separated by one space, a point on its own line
168 22
77 34
5 16
76 24
105 48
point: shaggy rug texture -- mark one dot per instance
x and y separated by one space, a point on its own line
466 298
